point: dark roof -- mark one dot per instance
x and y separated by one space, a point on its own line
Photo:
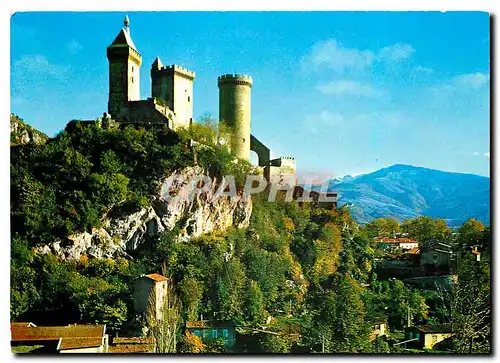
70 336
156 277
124 39
206 324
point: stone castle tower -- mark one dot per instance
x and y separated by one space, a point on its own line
173 86
235 111
124 70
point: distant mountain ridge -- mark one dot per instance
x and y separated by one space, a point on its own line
405 191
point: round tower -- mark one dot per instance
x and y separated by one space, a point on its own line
235 111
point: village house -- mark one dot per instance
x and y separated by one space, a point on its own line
427 337
396 244
437 258
379 329
74 338
209 330
150 292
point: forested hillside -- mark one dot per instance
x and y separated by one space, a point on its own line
305 274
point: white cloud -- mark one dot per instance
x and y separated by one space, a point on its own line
477 153
333 54
74 46
396 52
472 80
38 64
350 88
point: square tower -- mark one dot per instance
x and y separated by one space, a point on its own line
173 86
124 70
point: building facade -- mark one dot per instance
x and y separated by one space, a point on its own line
150 292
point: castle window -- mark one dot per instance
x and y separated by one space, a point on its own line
189 99
132 68
132 79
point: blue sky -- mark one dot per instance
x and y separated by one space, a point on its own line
343 92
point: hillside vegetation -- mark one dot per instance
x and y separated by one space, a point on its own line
306 273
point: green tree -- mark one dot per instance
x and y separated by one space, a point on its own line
426 229
191 291
470 235
254 304
382 227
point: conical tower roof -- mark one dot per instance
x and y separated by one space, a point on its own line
157 64
123 39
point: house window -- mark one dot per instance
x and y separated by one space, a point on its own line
225 333
197 333
214 333
417 335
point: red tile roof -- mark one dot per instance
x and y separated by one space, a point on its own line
414 251
156 277
22 325
395 240
75 343
71 336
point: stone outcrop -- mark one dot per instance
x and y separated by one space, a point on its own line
22 133
126 227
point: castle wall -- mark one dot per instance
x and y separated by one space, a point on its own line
148 112
183 100
124 79
262 151
134 81
235 111
173 86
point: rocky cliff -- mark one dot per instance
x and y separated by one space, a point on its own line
126 227
22 133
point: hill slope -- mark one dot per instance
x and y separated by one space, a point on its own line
405 191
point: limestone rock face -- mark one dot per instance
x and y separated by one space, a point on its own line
22 133
126 227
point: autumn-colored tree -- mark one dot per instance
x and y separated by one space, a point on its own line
470 235
192 343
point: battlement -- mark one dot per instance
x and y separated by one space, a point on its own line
239 79
284 161
174 68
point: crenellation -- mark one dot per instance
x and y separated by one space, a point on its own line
179 70
239 79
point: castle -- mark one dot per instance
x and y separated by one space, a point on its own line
171 102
